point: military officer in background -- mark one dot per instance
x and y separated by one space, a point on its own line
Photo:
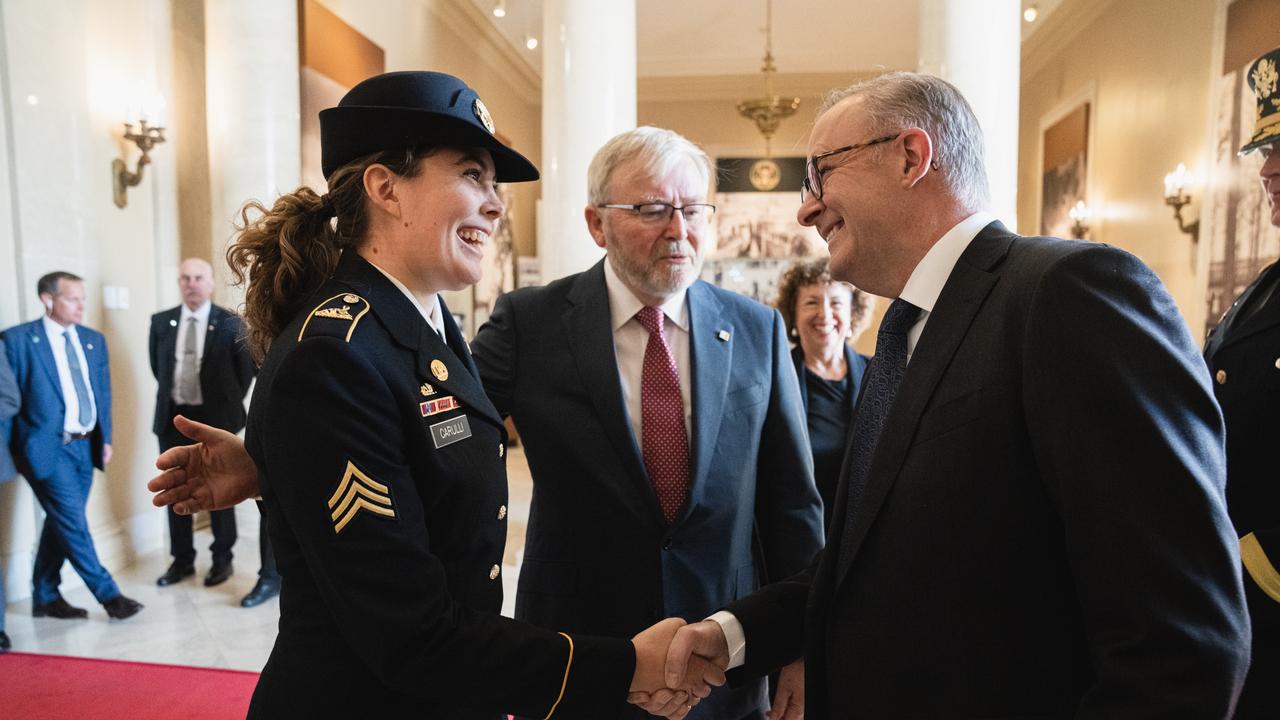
1243 354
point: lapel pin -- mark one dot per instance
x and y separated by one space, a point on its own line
426 390
439 370
173 323
723 335
35 338
89 346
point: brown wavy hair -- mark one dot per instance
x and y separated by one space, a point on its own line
286 252
802 275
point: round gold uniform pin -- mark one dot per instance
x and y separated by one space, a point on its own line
439 370
350 298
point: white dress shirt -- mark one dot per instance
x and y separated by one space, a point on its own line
58 343
431 313
922 290
630 339
201 314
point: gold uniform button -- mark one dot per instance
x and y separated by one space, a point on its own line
1278 363
502 449
502 512
493 572
1221 377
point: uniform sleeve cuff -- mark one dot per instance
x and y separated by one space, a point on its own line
734 637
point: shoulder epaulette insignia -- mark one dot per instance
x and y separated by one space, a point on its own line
357 491
343 313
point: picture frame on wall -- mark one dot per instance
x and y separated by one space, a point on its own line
1065 135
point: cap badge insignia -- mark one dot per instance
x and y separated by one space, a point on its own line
482 114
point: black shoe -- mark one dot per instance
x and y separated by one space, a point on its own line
60 609
121 607
4 642
218 574
262 592
177 571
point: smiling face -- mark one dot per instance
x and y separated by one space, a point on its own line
447 213
1270 174
824 313
654 260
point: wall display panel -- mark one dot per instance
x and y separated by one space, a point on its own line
1242 240
755 236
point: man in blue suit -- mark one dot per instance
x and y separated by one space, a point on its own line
62 433
10 402
661 418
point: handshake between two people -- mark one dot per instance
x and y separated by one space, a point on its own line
677 665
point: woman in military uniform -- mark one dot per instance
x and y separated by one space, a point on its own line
379 458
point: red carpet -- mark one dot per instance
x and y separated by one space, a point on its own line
51 687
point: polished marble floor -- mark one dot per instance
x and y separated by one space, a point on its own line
189 624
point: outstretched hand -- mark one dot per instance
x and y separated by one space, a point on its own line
669 697
214 474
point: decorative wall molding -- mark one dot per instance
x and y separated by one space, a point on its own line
1057 34
464 19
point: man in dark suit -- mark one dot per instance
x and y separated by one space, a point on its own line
203 371
10 403
1243 354
660 414
62 433
1030 521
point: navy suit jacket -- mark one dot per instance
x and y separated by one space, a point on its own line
598 556
1042 532
10 402
37 429
226 369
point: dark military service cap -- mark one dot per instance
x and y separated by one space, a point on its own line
1263 79
414 108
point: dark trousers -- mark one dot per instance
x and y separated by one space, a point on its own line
222 522
268 571
63 491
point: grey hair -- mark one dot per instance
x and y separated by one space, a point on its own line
659 150
899 100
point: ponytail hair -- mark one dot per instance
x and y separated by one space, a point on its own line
283 254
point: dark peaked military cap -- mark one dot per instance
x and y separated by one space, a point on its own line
409 109
1264 80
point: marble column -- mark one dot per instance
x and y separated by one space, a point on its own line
976 45
588 96
251 81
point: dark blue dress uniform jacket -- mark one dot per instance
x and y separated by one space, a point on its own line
389 540
1243 354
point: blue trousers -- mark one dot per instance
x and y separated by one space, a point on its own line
63 491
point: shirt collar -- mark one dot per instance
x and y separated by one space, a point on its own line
430 313
54 330
201 314
623 304
927 280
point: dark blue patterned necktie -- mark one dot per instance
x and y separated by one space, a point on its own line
77 381
879 387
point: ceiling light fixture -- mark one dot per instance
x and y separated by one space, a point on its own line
1030 14
500 9
768 111
531 42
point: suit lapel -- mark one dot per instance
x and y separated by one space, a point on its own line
1231 330
215 319
44 353
588 326
965 291
711 358
168 347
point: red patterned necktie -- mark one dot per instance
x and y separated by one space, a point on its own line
664 442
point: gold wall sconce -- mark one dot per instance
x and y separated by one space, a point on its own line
1079 214
147 137
1177 197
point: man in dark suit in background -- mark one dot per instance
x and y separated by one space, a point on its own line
10 403
1243 353
1030 520
61 434
661 418
203 371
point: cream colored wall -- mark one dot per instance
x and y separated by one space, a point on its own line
1150 62
78 60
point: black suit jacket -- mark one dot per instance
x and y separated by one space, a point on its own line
226 369
1244 360
598 555
1043 532
366 418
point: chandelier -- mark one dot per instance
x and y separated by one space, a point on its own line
768 111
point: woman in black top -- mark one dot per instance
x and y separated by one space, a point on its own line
823 316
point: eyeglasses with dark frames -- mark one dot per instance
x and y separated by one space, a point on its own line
654 213
812 184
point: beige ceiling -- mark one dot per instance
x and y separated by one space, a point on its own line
682 38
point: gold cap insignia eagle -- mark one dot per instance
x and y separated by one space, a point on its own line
357 491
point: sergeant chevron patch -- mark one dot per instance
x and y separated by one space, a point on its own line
357 492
